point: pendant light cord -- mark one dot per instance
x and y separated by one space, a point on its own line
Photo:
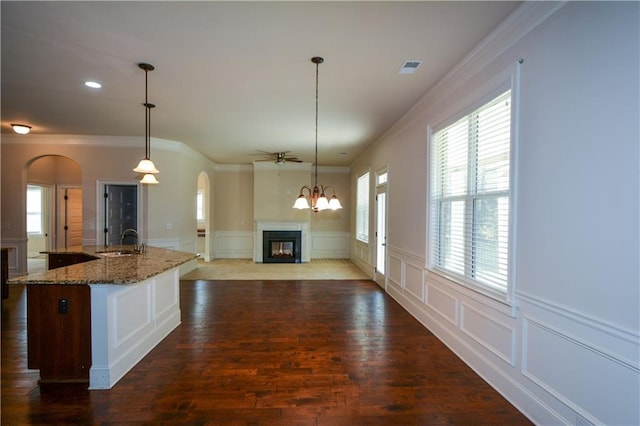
316 174
147 116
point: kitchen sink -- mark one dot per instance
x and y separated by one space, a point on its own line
115 253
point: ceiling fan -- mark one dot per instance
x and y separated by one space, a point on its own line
280 157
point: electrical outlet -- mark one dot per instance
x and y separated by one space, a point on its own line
63 306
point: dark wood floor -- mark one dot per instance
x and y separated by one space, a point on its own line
267 353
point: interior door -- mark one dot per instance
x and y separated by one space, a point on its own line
120 211
381 236
69 217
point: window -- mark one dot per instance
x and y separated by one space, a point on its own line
34 209
381 178
362 208
200 206
470 190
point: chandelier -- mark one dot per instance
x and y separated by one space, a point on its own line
146 166
317 194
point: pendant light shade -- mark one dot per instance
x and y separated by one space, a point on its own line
317 195
149 179
146 166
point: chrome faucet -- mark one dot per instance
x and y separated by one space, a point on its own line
138 248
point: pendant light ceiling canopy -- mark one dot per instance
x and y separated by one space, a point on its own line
317 194
146 166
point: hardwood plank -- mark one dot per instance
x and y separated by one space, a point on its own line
268 353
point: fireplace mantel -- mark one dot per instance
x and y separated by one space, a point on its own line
285 225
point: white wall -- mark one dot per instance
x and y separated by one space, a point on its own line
566 349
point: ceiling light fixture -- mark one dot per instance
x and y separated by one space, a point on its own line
318 199
93 84
21 129
145 165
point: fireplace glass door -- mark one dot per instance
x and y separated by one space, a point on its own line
282 247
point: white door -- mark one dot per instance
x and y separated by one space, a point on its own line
69 217
381 236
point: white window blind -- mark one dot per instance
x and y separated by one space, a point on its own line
362 208
34 209
470 190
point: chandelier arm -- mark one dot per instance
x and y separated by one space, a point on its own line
325 188
307 188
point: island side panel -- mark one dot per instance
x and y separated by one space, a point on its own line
128 322
59 331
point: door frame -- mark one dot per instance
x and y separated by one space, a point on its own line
381 188
100 187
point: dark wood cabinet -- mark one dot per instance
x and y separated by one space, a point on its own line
58 260
59 331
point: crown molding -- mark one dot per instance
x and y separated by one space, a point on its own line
271 165
109 141
133 142
233 168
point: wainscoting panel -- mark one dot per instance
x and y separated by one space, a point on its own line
189 246
414 281
165 243
233 245
330 245
17 256
443 303
361 256
395 272
497 337
558 342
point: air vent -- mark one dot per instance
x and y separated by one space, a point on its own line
409 67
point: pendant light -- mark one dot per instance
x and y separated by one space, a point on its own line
317 194
145 165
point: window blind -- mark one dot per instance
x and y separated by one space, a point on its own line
470 195
362 208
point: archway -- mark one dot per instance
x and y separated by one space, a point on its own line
54 207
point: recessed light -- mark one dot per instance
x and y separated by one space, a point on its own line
93 84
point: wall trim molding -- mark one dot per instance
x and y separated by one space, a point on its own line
625 334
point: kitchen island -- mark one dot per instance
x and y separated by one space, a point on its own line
93 321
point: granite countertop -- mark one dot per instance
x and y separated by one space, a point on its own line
109 270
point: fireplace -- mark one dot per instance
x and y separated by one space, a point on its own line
281 246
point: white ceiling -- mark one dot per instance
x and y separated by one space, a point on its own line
232 78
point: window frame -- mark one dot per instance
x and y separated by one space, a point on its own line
507 80
362 229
